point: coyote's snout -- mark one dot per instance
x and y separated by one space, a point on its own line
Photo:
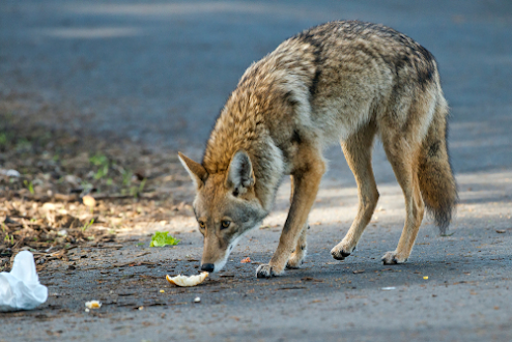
338 82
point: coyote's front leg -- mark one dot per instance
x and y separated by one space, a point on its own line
306 181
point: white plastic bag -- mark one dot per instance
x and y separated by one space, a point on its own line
20 289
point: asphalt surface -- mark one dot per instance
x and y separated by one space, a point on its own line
160 72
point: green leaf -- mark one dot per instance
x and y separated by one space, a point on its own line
161 239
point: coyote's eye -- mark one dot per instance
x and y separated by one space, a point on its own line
225 224
202 225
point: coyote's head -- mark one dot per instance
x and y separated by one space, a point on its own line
225 206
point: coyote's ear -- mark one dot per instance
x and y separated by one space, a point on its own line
195 170
240 174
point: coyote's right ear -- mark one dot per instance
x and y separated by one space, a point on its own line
195 170
240 174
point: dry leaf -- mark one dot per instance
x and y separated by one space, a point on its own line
89 201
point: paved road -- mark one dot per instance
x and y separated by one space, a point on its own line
160 72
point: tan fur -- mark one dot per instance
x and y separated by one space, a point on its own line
341 81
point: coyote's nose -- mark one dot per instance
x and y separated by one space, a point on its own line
208 267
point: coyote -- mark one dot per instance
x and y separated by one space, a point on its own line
343 81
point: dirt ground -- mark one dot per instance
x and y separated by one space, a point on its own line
96 99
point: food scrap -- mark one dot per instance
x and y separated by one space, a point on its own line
187 281
93 304
425 278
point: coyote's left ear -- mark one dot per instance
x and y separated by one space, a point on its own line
240 174
196 170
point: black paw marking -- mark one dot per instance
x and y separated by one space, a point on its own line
340 255
265 271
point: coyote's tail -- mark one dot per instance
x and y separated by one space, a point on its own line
437 184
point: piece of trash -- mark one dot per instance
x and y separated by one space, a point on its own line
197 300
162 291
425 278
501 231
246 260
187 281
161 239
358 271
10 172
388 288
141 308
93 304
20 289
89 201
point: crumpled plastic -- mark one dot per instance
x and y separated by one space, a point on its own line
10 172
20 289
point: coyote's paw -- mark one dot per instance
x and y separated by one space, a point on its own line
295 261
266 271
392 257
340 251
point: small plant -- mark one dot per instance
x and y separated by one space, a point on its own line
102 172
141 186
9 239
100 161
133 191
3 139
29 186
23 144
87 225
127 177
137 191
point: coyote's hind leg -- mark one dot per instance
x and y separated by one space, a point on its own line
403 156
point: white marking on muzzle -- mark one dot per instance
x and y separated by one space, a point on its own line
220 264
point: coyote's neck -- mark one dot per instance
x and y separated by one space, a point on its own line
240 127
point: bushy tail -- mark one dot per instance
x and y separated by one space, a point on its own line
437 184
